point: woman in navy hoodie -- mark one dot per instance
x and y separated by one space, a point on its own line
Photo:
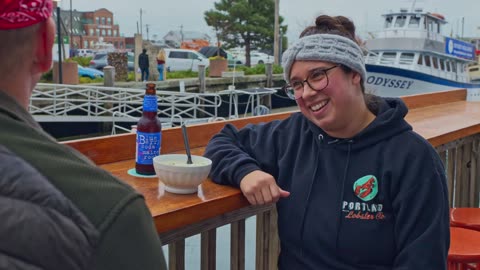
355 187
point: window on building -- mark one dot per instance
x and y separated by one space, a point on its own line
85 44
92 44
115 32
92 31
103 32
109 32
97 20
121 45
109 21
103 20
97 32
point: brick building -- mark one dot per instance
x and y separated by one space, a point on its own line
87 29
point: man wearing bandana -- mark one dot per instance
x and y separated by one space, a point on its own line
58 210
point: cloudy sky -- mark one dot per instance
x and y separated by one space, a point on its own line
165 15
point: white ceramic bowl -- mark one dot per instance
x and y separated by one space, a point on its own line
178 176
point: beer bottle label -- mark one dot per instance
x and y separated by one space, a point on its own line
150 103
148 147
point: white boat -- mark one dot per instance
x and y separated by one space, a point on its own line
411 56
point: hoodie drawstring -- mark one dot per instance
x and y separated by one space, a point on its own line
345 171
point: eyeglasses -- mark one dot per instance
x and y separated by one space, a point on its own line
316 80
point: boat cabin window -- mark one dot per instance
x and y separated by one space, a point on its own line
400 21
447 65
442 64
433 26
388 58
427 60
454 66
435 63
472 69
388 21
406 58
420 60
414 22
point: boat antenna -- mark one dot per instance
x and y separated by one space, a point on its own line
413 6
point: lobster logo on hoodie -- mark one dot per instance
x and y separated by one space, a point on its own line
366 188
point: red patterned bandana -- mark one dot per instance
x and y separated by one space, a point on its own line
16 14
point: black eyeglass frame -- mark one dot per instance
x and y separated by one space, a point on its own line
289 86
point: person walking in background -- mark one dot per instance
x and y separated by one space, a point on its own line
59 210
161 64
355 187
144 65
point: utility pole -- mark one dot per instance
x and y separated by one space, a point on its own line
463 25
71 28
148 36
276 34
141 25
181 31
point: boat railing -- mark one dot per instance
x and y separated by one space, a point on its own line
60 102
449 122
408 33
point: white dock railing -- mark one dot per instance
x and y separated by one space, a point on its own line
74 103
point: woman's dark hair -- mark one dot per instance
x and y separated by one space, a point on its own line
342 26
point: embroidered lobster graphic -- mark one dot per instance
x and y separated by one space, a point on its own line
364 190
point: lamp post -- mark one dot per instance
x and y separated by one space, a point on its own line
59 40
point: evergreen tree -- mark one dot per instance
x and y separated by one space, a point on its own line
244 23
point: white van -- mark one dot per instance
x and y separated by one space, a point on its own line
86 52
181 59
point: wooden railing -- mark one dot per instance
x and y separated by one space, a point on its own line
445 119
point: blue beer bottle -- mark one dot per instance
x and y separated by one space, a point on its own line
149 133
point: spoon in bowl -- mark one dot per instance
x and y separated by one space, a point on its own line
187 145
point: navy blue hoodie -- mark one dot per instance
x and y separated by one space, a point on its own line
375 201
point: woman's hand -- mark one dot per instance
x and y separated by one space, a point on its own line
260 188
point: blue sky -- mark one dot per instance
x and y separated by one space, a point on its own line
165 15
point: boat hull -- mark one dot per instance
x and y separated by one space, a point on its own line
388 81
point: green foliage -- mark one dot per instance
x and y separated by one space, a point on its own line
244 23
277 69
88 80
82 61
47 77
259 69
131 77
216 57
181 74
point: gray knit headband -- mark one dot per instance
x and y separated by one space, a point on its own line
325 47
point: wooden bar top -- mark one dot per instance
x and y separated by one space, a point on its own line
439 117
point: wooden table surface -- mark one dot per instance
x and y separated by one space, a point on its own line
439 117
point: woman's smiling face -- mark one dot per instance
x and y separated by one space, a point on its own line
337 105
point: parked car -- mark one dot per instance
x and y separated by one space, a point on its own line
100 60
259 58
182 59
89 72
85 52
